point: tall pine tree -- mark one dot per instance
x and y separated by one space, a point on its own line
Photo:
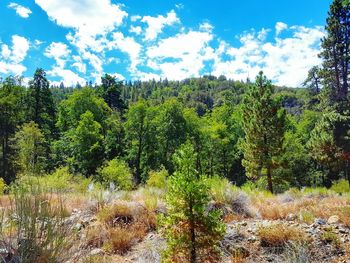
263 123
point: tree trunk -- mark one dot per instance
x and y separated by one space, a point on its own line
193 236
269 178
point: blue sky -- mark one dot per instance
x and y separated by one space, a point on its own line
79 40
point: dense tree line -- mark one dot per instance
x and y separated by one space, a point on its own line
243 130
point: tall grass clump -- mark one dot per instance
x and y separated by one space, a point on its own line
33 228
341 187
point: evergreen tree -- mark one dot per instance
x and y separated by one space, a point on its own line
192 233
11 115
41 107
263 123
336 51
111 92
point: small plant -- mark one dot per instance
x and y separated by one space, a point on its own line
118 172
328 236
279 235
307 217
158 179
340 187
192 234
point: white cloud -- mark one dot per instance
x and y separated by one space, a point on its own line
206 27
285 61
78 64
20 10
136 30
11 58
127 45
69 78
179 6
135 18
93 17
280 26
59 52
118 76
178 61
156 24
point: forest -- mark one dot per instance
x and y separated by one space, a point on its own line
195 139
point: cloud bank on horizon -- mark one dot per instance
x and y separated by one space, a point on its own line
91 37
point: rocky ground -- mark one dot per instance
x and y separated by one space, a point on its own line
328 241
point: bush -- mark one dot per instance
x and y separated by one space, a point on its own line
58 181
279 235
329 236
3 186
220 189
158 179
342 186
118 172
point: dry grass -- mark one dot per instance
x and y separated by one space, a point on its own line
305 208
120 226
279 235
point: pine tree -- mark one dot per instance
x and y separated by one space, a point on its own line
41 107
336 51
192 233
263 123
111 92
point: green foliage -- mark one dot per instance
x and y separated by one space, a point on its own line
86 143
221 190
342 186
192 234
158 179
118 172
3 186
263 123
29 142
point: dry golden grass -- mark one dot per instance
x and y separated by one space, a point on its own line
305 208
120 226
279 235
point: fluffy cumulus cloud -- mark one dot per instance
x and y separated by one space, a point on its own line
99 37
177 61
20 10
11 58
284 60
156 24
59 52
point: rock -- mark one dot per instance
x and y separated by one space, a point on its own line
320 222
252 238
333 219
96 251
343 230
291 217
78 226
244 224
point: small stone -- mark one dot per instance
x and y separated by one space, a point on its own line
78 226
252 238
320 222
333 219
96 251
244 224
291 217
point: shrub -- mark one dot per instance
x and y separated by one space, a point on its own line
34 227
3 186
192 234
320 192
158 179
328 236
61 180
220 189
118 172
341 186
279 235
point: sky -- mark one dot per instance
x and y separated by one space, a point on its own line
80 40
